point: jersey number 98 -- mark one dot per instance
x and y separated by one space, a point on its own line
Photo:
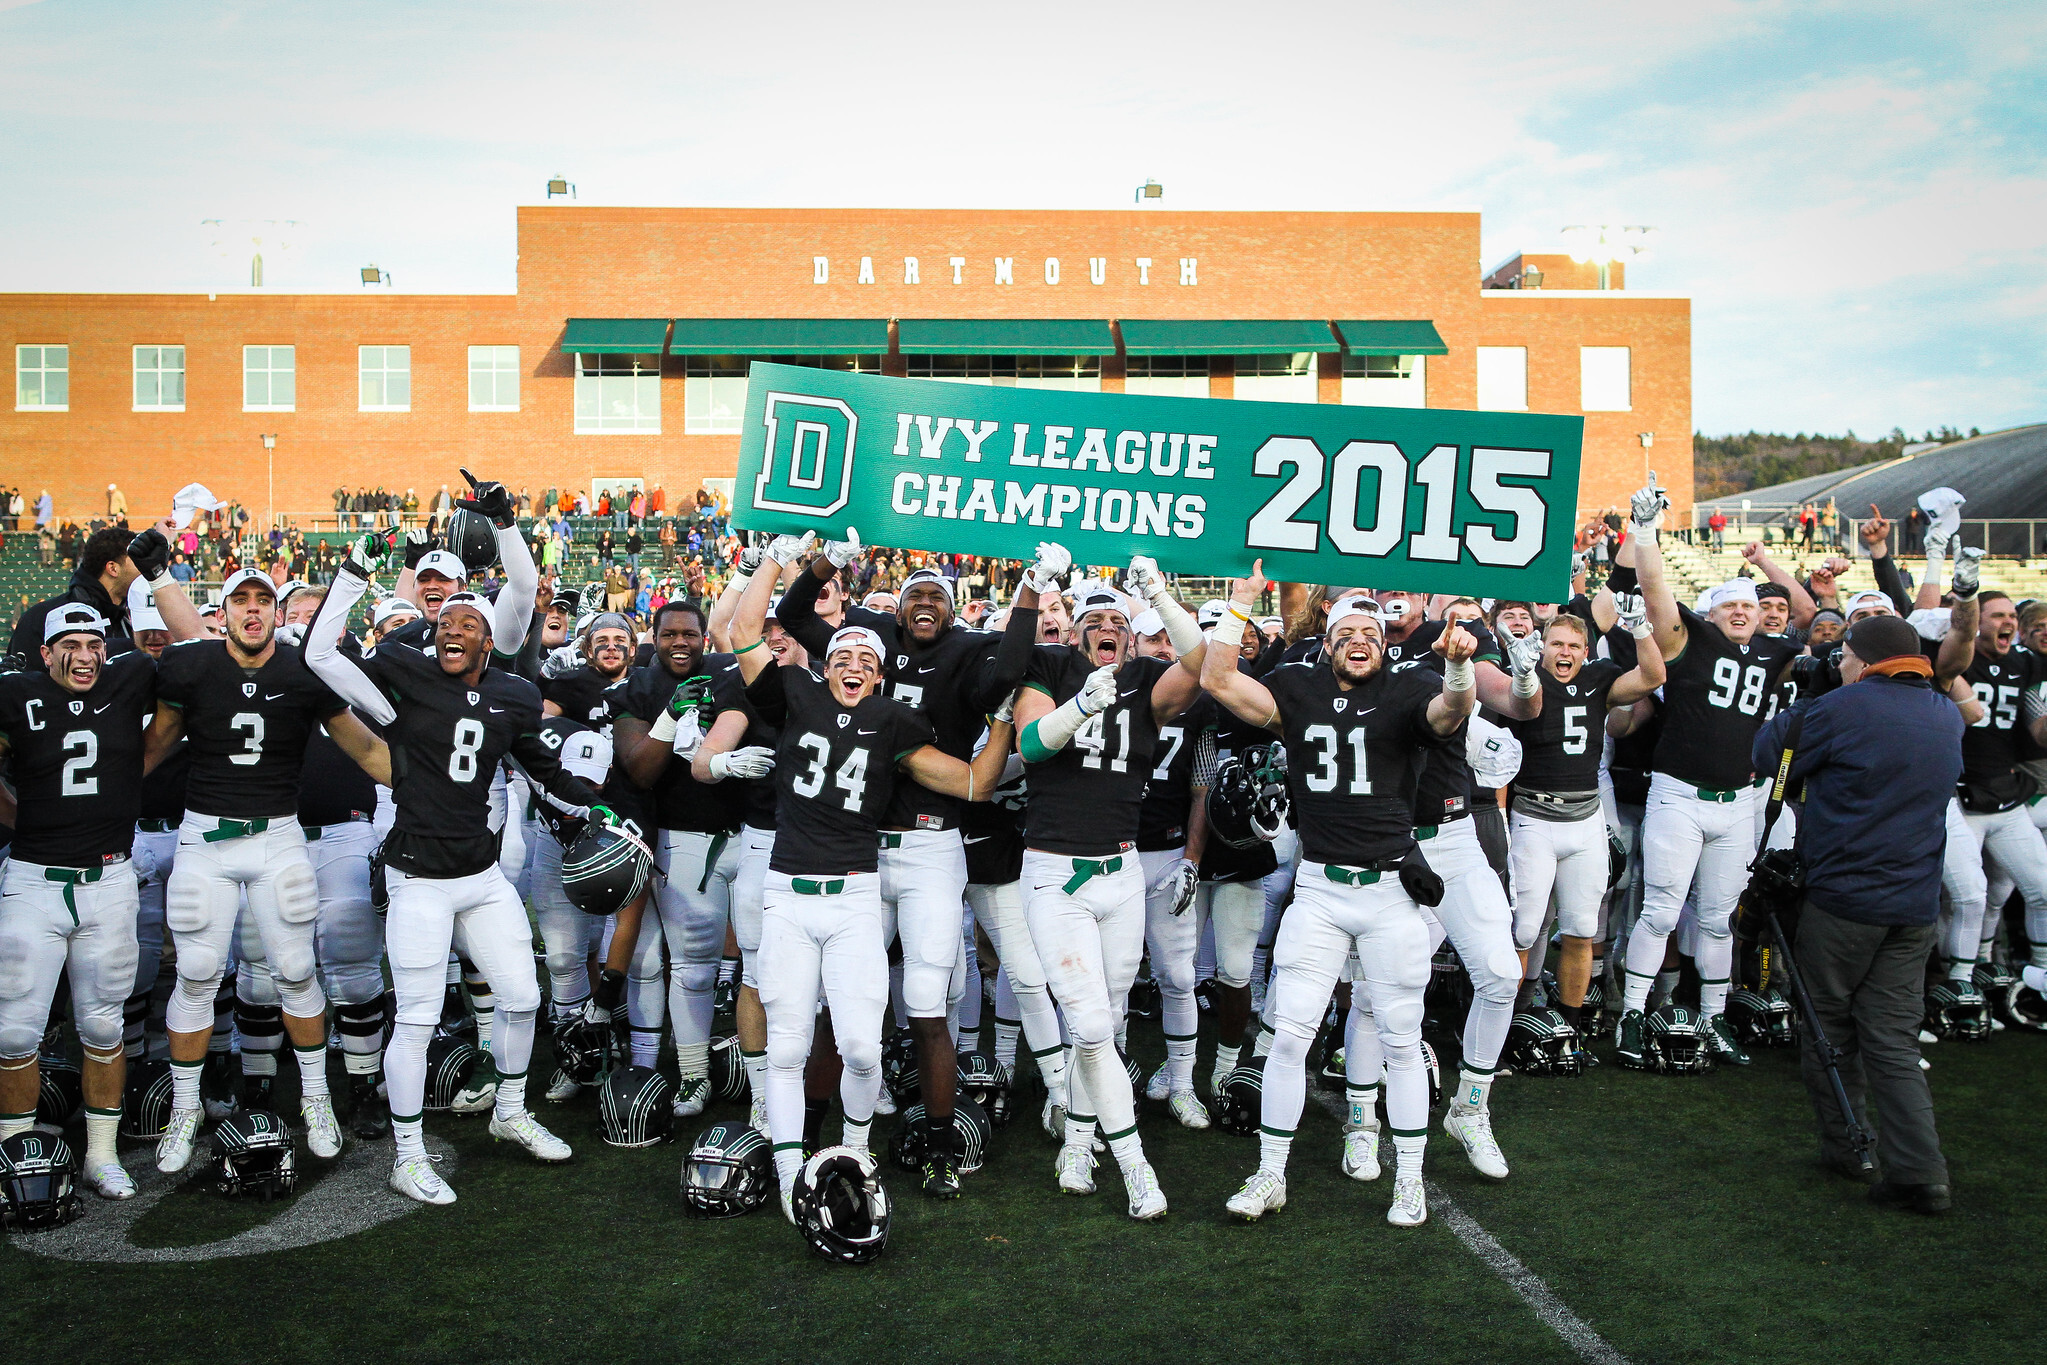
1730 678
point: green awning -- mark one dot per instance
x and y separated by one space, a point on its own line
780 336
1392 338
615 336
1225 338
1004 336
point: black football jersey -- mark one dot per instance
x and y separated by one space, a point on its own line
1445 786
835 770
1998 743
1087 798
246 728
1162 818
447 739
1351 757
757 795
1561 748
75 761
579 695
583 752
1715 699
163 791
678 800
333 788
993 832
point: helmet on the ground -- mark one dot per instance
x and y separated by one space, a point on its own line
1956 1009
1144 998
146 1102
62 1093
252 1154
1594 1006
841 1207
730 1170
972 1134
1242 1098
899 1070
581 1048
450 1061
728 1068
1760 1019
633 1107
1447 997
1674 1041
981 1078
1543 1043
36 1182
604 869
2000 990
473 538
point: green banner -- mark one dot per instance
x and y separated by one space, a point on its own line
1427 500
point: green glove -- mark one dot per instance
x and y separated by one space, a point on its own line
690 694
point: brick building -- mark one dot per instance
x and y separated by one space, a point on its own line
622 355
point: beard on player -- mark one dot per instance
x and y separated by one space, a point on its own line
611 651
1355 650
925 612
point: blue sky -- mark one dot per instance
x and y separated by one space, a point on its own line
1853 195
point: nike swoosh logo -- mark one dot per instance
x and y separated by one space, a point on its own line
928 668
497 710
868 732
273 696
97 709
974 839
1368 710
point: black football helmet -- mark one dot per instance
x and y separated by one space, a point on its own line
841 1207
1760 1019
36 1191
899 1070
1674 1041
473 538
633 1107
1247 802
972 1134
728 1068
730 1170
581 1048
1956 1009
605 868
146 1104
2000 989
1543 1043
1447 998
1242 1098
62 1093
981 1078
380 887
1594 1007
450 1061
252 1154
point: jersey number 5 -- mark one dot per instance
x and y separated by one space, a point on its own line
851 777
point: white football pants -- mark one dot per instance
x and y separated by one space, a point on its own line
204 896
1690 844
694 902
1480 924
749 893
51 921
999 908
1088 926
923 884
1568 857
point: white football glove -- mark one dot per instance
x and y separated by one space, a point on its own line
293 634
1524 654
1144 578
786 550
561 661
689 736
754 761
1646 504
750 560
1936 544
844 552
1098 693
1633 612
1968 572
1054 560
1178 881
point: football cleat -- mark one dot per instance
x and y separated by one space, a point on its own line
110 1181
691 1096
1629 1039
1473 1130
1189 1110
415 1178
1075 1168
1410 1205
1722 1044
1147 1200
479 1094
757 1116
369 1114
940 1177
174 1148
1361 1154
323 1134
1054 1119
1161 1083
525 1130
789 1204
561 1087
1217 1079
1263 1193
883 1103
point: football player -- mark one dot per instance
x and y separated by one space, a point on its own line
1088 723
607 656
1699 828
568 936
1354 730
247 704
450 719
1559 829
952 676
842 744
1997 790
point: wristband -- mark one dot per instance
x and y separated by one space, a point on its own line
1525 684
162 580
1181 628
1458 676
1229 630
743 648
663 727
1642 630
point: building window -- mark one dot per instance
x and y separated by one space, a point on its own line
269 379
493 378
1603 379
1503 378
618 395
159 379
1167 376
851 364
1077 373
1386 381
713 394
384 376
42 379
1277 378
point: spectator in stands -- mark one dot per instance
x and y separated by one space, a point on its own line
618 589
1717 524
657 501
581 506
633 545
181 567
46 510
1913 539
46 546
100 581
667 538
605 549
117 504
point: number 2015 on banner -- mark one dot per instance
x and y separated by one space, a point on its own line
1278 526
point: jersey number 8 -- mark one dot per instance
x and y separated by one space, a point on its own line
1728 676
468 739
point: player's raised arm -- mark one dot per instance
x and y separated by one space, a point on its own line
750 561
1648 674
1958 645
150 553
323 637
750 617
798 609
1177 688
1645 509
513 612
949 776
1246 697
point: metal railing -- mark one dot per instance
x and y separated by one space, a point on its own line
2007 537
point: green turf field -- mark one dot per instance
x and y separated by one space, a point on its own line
1682 1219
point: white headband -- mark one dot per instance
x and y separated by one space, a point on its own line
927 576
1733 590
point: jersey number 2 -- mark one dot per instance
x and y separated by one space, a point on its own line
78 778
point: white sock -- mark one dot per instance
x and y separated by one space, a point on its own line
511 1100
312 1071
756 1064
1408 1153
1006 1033
1128 1149
101 1128
1226 1059
10 1124
410 1137
185 1084
1363 1113
1666 986
855 1134
1273 1150
693 1059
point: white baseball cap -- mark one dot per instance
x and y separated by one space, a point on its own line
391 609
475 601
1868 600
1101 599
1210 612
1733 590
859 637
446 563
1149 622
73 618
